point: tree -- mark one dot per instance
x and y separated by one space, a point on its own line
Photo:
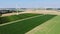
0 17
58 8
49 9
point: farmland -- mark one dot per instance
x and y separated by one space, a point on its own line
15 17
50 27
21 27
32 22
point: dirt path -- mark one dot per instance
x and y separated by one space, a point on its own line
19 20
44 12
35 11
9 14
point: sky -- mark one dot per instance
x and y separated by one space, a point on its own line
29 3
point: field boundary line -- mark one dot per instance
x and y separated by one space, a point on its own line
20 20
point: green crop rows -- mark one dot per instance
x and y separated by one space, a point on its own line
24 26
15 17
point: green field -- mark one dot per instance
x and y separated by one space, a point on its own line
24 26
50 27
15 17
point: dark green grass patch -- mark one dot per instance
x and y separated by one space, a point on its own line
50 27
15 17
24 26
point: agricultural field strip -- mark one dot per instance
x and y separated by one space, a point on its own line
51 28
7 19
20 20
38 28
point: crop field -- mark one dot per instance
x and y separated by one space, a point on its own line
15 17
52 26
36 24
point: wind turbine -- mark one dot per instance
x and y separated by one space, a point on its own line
17 8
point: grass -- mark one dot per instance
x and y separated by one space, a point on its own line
50 27
24 26
15 17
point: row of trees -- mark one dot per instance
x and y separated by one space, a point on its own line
0 17
52 8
